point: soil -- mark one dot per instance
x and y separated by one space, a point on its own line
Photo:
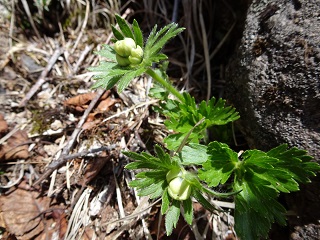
61 142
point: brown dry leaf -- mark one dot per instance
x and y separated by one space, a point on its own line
16 147
61 222
106 104
88 125
88 233
22 213
3 124
93 168
80 102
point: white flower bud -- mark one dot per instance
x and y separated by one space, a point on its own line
136 55
124 47
179 189
122 61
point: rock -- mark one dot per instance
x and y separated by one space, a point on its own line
274 78
307 232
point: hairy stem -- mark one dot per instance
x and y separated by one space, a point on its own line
166 84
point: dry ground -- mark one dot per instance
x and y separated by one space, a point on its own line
62 170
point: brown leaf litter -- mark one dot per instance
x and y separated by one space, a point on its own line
30 216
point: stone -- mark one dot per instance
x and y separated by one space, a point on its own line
273 79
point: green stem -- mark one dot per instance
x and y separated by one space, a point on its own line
166 84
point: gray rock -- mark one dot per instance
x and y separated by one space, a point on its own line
274 78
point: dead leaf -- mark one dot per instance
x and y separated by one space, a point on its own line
88 125
60 218
88 233
81 102
16 147
3 124
106 104
22 213
93 168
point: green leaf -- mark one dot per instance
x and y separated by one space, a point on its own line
126 78
261 176
183 116
296 162
220 165
165 201
193 154
154 190
203 201
256 204
124 27
105 82
172 216
188 211
117 33
157 40
137 33
108 52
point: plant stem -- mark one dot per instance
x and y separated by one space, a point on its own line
166 84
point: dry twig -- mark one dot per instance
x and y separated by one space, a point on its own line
41 80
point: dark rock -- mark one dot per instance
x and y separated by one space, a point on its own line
274 78
308 232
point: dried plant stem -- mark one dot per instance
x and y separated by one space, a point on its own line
41 80
63 158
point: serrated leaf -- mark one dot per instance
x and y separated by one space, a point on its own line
193 154
118 35
172 217
220 165
188 211
108 52
256 204
137 33
157 40
105 82
124 27
183 116
165 201
153 189
296 162
126 78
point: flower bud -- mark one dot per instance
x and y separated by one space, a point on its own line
173 173
122 61
124 47
136 55
179 189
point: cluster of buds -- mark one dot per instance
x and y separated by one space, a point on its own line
179 188
128 52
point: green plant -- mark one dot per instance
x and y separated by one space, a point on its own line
255 178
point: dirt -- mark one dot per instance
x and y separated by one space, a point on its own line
61 165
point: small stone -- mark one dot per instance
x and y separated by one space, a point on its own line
57 124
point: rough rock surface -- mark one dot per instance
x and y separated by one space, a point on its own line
274 78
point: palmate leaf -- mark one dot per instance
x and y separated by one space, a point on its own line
295 162
157 40
183 116
261 177
221 163
256 208
144 160
109 74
